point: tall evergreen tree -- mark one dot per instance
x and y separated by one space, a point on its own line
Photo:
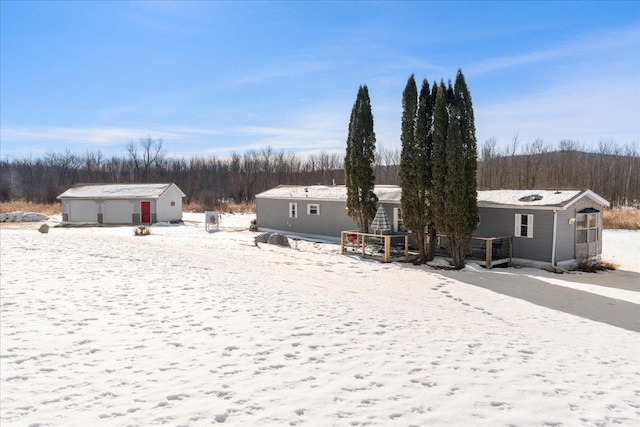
454 190
440 127
359 177
415 162
464 106
424 139
454 221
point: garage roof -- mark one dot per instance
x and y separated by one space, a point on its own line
118 191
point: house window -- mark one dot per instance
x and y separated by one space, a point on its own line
173 203
313 209
524 226
587 227
293 210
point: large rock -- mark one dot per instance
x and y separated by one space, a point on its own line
278 239
262 238
44 228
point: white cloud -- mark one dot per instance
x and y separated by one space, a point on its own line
589 109
101 136
612 43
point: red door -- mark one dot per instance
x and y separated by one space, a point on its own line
145 212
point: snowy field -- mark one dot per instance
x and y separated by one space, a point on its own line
190 328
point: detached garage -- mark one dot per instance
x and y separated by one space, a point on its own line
122 203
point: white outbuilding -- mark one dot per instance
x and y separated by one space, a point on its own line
122 203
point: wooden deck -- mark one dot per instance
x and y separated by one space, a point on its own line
486 251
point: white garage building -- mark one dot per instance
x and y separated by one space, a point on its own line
122 203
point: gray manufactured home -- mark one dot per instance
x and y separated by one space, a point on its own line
545 226
122 203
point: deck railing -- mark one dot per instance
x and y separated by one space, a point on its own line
372 245
487 251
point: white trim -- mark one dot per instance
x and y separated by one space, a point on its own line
555 233
397 214
518 225
591 194
293 213
317 208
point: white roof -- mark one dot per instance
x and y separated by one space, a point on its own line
535 198
385 193
117 191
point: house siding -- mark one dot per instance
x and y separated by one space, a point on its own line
273 214
163 209
566 237
497 222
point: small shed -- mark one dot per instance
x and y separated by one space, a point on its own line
122 203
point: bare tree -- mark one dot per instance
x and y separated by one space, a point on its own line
147 159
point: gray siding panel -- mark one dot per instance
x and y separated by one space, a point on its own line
274 214
565 244
496 222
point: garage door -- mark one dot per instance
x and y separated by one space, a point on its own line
83 211
117 212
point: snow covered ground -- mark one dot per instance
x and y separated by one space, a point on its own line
186 327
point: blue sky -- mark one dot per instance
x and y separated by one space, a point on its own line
211 78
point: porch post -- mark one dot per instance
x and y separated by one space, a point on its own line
488 252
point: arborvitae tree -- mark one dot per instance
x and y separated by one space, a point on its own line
454 189
412 211
440 126
415 164
434 94
454 221
464 107
424 139
359 177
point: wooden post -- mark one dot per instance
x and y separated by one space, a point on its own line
342 243
488 252
510 250
364 243
387 248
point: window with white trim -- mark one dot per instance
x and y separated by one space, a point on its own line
587 227
293 210
524 226
313 209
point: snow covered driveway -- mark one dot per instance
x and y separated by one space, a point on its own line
185 327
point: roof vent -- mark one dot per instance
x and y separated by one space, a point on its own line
530 198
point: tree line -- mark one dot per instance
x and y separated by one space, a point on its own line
609 170
208 181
